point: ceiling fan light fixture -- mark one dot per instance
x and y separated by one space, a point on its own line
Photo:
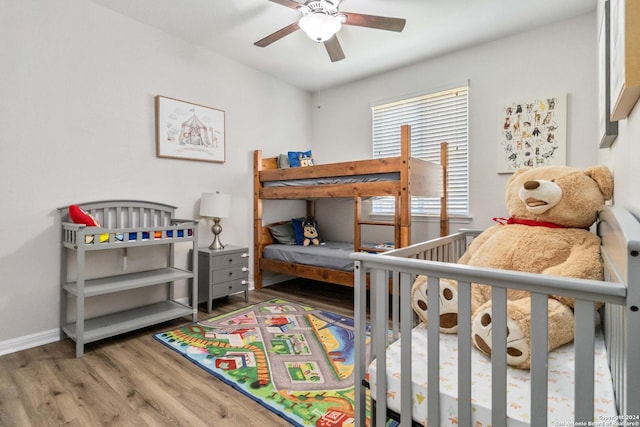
320 26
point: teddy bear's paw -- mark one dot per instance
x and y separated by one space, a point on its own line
517 345
448 299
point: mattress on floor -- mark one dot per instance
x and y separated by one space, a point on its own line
560 384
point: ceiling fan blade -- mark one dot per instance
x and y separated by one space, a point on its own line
334 49
287 3
372 21
277 35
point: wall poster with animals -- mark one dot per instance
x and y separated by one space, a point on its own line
533 133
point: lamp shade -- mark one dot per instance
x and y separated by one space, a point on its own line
215 205
320 27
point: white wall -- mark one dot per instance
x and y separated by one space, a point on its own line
556 59
77 124
622 157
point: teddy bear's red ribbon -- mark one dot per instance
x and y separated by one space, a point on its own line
512 220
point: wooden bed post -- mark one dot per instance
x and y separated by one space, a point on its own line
257 219
311 209
444 211
404 205
398 239
357 213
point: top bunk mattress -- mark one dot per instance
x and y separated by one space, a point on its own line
333 255
350 179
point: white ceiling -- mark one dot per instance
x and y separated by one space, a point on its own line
434 27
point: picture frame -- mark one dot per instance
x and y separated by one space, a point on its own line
607 129
532 132
189 131
625 62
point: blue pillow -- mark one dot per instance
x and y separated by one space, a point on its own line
300 158
298 230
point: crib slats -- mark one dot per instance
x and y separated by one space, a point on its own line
406 321
360 323
615 334
464 354
539 362
498 357
379 344
584 368
395 304
433 351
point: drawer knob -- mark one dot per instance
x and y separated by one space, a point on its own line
245 268
244 282
244 255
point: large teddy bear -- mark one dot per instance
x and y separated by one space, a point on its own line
551 209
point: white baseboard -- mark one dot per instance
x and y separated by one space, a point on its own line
41 338
28 341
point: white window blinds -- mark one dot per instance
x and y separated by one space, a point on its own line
434 118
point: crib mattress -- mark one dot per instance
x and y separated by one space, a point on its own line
560 384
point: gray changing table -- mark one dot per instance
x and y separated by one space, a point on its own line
124 224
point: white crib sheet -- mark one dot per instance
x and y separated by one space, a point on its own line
560 388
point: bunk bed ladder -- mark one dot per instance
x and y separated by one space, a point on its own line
402 216
359 222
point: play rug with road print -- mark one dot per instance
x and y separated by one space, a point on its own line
295 360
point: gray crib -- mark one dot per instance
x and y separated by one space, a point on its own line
391 317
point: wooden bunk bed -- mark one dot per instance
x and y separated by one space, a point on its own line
403 177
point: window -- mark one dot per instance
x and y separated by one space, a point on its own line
434 118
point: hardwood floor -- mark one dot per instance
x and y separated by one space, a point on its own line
132 380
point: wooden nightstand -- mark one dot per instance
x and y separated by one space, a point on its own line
222 273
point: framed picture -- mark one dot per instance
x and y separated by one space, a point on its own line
532 133
189 131
607 130
625 61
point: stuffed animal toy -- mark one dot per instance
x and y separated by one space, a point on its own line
551 209
310 233
80 216
305 159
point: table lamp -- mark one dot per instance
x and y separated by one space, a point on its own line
215 206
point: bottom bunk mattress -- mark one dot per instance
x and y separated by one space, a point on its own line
333 255
560 383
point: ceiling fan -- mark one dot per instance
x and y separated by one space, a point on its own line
321 20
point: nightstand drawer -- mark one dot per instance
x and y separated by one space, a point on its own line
228 288
229 273
225 260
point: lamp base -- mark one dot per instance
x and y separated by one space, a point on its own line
216 229
216 245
